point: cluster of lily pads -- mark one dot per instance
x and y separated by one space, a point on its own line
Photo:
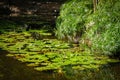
45 54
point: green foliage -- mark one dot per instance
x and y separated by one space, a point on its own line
6 25
70 23
48 54
103 27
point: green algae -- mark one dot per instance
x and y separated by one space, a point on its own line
49 54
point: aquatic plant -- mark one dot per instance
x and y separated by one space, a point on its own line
49 54
41 31
8 26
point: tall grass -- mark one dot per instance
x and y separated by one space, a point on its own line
70 23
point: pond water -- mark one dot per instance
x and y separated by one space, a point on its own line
12 69
38 55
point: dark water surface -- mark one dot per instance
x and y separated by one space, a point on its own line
11 69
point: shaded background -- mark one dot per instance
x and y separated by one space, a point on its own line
30 10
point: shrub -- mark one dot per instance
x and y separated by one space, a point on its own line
70 23
103 27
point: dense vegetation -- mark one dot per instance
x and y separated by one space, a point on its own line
96 32
99 29
71 22
105 30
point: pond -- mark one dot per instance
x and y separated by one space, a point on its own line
37 55
11 69
33 56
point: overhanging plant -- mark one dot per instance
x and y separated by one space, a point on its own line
104 31
70 23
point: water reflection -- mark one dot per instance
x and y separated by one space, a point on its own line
106 72
10 69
